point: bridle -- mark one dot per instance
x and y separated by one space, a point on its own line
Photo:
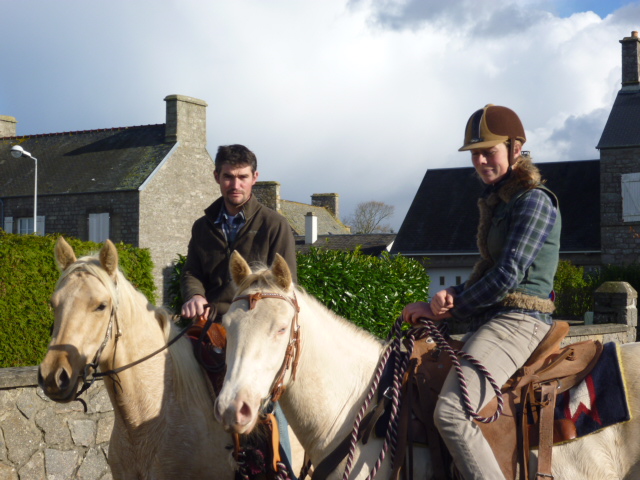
292 354
90 373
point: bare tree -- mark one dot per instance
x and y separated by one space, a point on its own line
368 216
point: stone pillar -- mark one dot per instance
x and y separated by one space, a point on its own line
330 201
7 126
616 302
186 120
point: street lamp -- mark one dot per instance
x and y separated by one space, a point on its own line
17 151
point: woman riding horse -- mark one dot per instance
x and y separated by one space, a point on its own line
507 296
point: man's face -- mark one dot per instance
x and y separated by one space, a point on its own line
235 185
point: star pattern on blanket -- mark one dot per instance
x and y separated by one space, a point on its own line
582 400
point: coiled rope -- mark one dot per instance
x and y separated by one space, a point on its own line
427 328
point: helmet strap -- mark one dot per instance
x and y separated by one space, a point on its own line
512 151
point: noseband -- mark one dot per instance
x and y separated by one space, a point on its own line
293 348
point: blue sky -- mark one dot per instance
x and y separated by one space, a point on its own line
355 97
566 8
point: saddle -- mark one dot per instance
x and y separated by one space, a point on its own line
529 401
209 340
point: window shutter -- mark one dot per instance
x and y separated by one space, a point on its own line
8 224
40 225
631 197
98 227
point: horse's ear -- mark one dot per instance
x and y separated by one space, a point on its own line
239 268
109 258
281 271
64 254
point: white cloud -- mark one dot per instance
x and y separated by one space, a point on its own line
356 97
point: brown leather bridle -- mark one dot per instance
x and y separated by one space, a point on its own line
292 354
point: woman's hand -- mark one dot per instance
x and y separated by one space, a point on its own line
413 312
443 301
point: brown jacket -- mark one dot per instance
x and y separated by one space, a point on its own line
206 271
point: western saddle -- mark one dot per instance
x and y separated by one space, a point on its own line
529 398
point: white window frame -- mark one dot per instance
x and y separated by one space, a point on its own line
99 226
21 229
630 188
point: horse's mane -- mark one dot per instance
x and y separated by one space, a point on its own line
262 278
131 302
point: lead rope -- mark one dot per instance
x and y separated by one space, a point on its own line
432 331
401 364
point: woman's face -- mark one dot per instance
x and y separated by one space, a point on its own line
492 164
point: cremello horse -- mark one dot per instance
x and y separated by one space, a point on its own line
336 365
164 424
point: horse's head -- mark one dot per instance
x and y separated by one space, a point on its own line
262 338
84 305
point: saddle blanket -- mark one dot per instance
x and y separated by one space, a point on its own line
600 400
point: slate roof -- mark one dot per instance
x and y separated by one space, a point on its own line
372 243
116 159
622 129
295 212
443 217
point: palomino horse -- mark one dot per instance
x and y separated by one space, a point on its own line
335 366
164 424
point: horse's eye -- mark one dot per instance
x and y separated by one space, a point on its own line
282 330
101 307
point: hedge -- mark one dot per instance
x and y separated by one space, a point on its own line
369 291
28 275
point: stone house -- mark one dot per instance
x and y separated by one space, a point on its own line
142 185
599 198
620 165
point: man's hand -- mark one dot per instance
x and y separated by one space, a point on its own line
413 312
195 306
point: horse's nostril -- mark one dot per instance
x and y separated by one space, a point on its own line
63 379
244 414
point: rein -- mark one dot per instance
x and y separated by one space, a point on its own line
90 373
292 354
400 356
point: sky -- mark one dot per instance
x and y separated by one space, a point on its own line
355 97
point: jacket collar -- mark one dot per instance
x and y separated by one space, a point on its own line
249 209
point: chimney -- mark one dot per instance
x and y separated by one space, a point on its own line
186 120
268 194
631 61
7 126
330 201
310 228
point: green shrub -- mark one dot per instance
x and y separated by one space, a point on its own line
174 293
28 275
369 291
574 290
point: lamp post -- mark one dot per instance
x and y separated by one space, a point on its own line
17 151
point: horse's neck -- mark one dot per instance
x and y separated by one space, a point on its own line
335 371
138 393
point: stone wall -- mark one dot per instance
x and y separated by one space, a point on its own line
44 440
178 191
620 244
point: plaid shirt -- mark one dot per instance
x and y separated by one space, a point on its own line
533 216
231 224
